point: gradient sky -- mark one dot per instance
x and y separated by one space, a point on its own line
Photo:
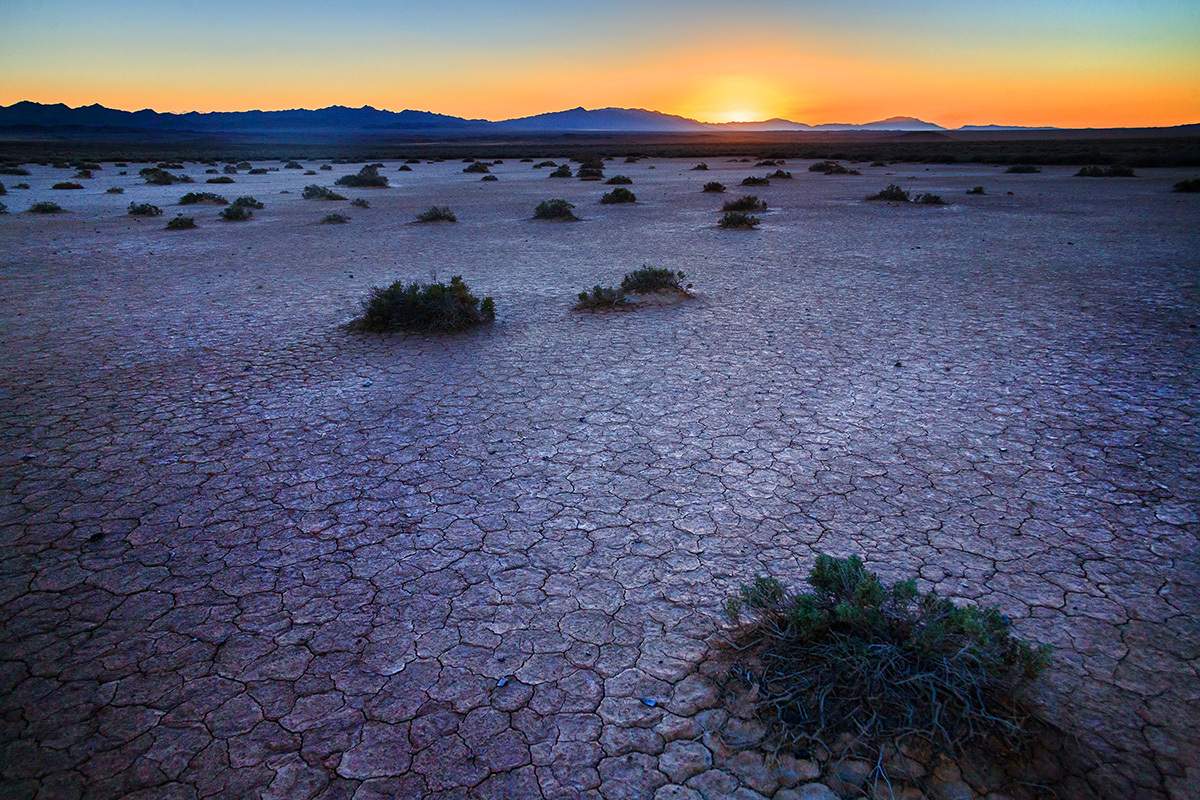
1070 63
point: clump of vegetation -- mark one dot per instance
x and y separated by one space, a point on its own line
335 219
420 307
368 177
618 195
476 166
542 164
401 168
82 174
315 192
701 167
259 171
236 213
358 202
780 174
876 665
45 207
832 168
1189 185
714 187
619 180
196 198
229 169
8 169
1023 169
144 210
755 181
247 201
736 220
747 202
588 172
652 279
26 186
157 176
487 178
631 159
1115 171
3 191
976 190
892 193
878 163
170 165
181 223
412 161
437 214
767 162
67 185
558 210
326 167
562 172
930 199
293 165
601 297
222 179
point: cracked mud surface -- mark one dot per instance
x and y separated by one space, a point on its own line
249 553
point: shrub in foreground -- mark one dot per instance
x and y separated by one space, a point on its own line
618 195
1023 169
195 198
701 167
221 179
489 178
335 219
601 297
619 180
437 214
780 174
755 181
562 172
114 190
928 199
832 168
477 166
1189 185
247 201
746 202
236 213
1115 171
542 164
315 192
8 169
559 210
157 176
181 223
418 307
590 172
651 279
358 202
736 220
367 177
881 665
892 193
45 207
144 210
67 185
714 187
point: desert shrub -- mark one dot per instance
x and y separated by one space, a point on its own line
367 177
3 191
358 202
542 164
26 186
617 196
976 190
315 192
195 198
736 220
487 178
701 167
477 166
929 199
157 176
114 190
589 173
878 665
170 165
747 202
258 171
619 180
181 223
893 193
326 167
293 165
8 169
419 307
404 168
236 213
714 187
247 201
222 179
651 279
229 169
83 174
559 210
437 214
144 210
780 174
1115 171
755 181
767 162
412 161
45 207
562 172
335 219
832 168
631 159
1189 185
67 185
601 297
211 172
878 163
1023 169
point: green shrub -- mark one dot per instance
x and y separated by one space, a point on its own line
1115 171
315 192
477 166
747 202
619 180
236 214
46 208
701 167
651 279
559 210
1189 185
437 214
881 665
181 223
335 219
780 174
367 177
247 201
144 210
755 181
893 193
157 176
929 199
1023 169
601 297
196 198
222 179
736 220
562 172
714 187
976 190
358 202
419 307
618 195
67 185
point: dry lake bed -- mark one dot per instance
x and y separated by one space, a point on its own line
249 552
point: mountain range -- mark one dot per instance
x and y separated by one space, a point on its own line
368 120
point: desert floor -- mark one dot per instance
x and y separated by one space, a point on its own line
246 550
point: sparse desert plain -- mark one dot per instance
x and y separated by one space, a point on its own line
249 551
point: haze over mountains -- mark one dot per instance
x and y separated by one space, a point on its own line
368 120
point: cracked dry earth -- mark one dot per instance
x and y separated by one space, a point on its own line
248 553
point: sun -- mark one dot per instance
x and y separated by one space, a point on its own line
741 115
736 98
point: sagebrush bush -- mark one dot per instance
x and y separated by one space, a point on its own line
755 181
358 202
83 174
601 297
780 174
701 167
412 161
1023 169
767 162
714 187
651 279
562 172
229 169
976 190
929 199
404 168
181 223
419 307
67 185
542 164
195 198
832 168
747 202
45 207
489 178
293 165
247 201
326 167
315 192
437 214
477 166
619 180
1115 171
856 660
893 193
559 210
367 177
157 176
259 171
335 219
144 210
588 172
1189 185
736 220
618 195
236 213
222 179
9 169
